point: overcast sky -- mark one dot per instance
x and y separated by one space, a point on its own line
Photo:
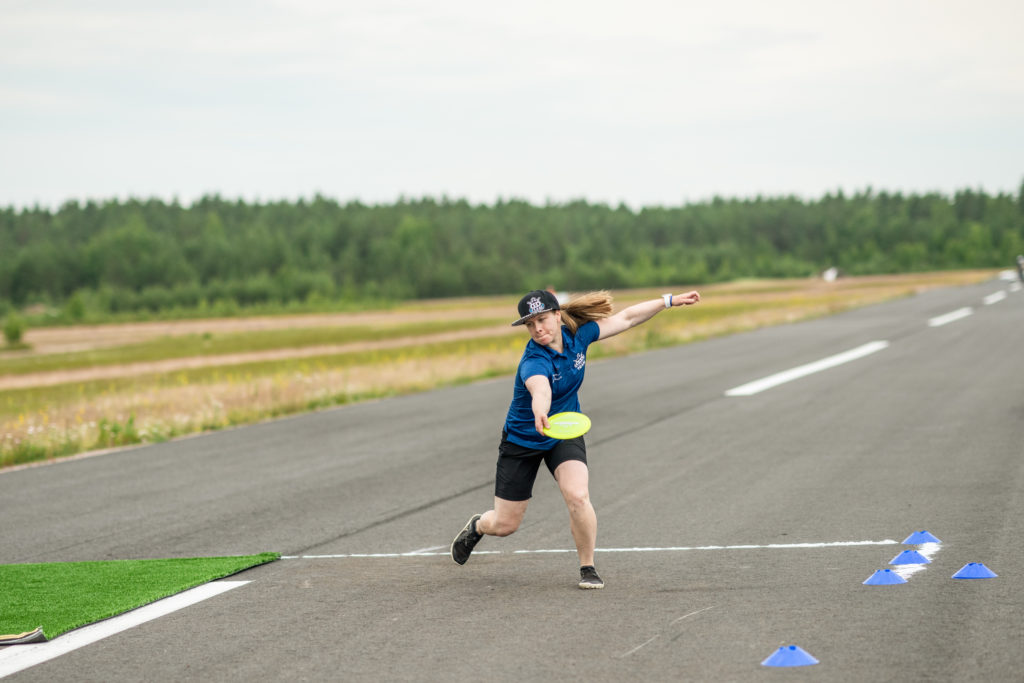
640 101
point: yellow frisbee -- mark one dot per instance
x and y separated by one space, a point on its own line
567 425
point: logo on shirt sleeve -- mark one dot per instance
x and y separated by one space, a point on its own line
580 361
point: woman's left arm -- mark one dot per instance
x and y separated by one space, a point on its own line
642 312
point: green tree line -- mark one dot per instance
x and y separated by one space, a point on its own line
115 257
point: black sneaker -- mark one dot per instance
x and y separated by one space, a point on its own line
467 539
589 578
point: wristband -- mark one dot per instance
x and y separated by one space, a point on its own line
667 298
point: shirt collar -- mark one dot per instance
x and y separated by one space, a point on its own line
550 351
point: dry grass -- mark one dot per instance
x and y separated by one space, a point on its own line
159 405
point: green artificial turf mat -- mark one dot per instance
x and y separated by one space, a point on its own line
62 596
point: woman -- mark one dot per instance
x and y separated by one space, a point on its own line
549 376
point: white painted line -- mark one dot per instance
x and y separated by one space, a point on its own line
423 551
929 550
770 546
940 320
775 380
995 297
341 556
1015 287
14 658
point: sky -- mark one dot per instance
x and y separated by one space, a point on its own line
640 102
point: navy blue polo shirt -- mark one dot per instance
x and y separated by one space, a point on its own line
564 371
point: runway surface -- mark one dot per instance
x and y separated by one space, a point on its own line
730 522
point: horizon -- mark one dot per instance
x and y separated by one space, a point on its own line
868 191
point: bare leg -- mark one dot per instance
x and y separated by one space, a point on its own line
504 519
573 479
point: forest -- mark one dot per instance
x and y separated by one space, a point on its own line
104 259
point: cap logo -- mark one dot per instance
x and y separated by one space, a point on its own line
535 305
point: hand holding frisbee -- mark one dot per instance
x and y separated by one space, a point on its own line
567 425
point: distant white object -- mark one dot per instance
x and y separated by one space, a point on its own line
830 274
562 297
1008 275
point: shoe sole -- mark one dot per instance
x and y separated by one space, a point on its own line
590 586
451 548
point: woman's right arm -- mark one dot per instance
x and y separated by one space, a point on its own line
540 389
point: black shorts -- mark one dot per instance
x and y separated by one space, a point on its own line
518 465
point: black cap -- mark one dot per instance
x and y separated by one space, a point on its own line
536 302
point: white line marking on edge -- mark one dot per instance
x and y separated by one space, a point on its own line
995 297
757 386
952 316
14 658
770 546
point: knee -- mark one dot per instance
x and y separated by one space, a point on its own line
504 527
577 498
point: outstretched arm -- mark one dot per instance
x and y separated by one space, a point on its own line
641 313
540 390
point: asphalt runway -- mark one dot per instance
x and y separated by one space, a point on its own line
729 526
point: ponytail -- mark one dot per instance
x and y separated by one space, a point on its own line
586 307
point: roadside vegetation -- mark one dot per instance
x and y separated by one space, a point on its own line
110 261
47 415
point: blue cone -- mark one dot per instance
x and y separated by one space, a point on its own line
919 537
910 557
790 656
884 577
975 570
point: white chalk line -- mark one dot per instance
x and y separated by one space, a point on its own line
638 647
651 640
927 550
681 548
14 658
686 616
765 383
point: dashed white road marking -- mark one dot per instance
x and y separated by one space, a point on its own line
757 386
14 658
952 316
769 546
995 297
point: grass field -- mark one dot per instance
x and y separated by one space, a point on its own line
61 596
84 388
225 343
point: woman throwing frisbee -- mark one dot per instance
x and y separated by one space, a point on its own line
547 382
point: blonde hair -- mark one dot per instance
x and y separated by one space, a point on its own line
586 307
